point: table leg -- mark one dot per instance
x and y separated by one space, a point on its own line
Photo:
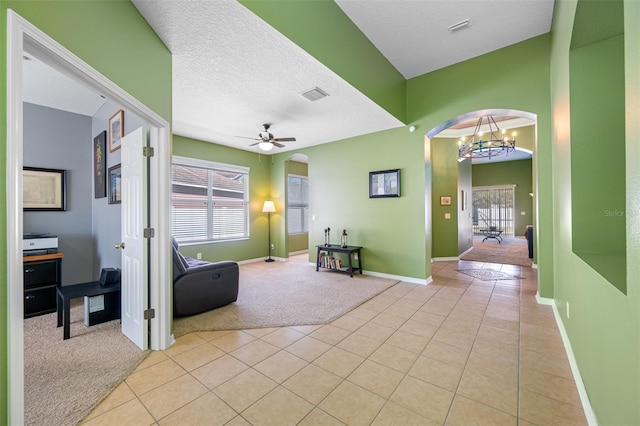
67 319
59 308
318 259
359 261
350 265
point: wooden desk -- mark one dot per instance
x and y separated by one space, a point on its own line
331 248
68 292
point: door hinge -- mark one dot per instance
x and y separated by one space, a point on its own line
149 233
147 151
149 313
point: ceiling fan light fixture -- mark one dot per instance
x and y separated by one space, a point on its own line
265 146
314 94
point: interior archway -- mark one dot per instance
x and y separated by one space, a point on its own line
434 223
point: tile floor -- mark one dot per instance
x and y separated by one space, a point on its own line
460 351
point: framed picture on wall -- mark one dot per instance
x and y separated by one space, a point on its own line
115 177
445 200
384 183
44 189
99 165
116 130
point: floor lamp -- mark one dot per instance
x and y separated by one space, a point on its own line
269 208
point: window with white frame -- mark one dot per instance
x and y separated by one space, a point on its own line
209 201
298 204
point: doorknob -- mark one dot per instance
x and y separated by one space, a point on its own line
120 246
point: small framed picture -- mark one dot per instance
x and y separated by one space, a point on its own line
445 200
116 130
99 163
115 178
384 183
44 189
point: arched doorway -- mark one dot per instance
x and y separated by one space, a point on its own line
454 218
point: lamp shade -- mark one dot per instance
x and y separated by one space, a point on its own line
268 207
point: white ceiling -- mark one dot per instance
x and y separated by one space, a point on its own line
232 72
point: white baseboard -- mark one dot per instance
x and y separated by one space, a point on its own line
261 259
465 252
582 390
410 280
445 259
295 253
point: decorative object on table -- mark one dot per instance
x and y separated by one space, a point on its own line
445 200
327 236
116 130
343 239
44 189
115 177
99 165
497 143
268 208
384 183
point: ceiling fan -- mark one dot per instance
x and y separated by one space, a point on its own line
266 141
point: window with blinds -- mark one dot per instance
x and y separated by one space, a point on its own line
298 204
209 201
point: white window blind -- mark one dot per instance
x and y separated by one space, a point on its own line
209 201
298 204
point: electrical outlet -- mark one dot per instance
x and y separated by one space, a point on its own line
273 246
568 316
199 256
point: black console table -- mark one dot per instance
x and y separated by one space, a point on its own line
90 289
496 234
321 262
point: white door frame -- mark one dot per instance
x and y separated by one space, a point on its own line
23 36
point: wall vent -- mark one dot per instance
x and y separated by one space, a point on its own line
314 94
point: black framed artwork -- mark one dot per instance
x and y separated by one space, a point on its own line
44 189
384 183
99 165
115 178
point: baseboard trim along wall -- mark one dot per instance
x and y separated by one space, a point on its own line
582 390
445 259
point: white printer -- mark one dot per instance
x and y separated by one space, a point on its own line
38 243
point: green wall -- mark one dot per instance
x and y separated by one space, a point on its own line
97 32
604 324
444 174
516 173
479 84
256 245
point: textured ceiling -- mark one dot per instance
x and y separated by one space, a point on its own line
232 71
414 35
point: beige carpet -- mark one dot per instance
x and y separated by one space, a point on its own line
286 293
66 379
511 251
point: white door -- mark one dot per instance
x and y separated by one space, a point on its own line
134 279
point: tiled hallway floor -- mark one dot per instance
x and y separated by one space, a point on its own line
460 351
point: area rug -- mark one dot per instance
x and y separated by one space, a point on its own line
286 293
511 251
488 274
65 379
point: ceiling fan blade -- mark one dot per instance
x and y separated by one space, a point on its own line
279 145
246 137
253 144
284 139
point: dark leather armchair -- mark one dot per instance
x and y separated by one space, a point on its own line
200 286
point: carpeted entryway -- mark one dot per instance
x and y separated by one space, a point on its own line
65 379
286 293
511 251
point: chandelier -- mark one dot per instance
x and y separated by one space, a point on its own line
495 143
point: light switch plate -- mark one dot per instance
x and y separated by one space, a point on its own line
447 215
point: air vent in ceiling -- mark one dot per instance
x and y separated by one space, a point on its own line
314 94
460 25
